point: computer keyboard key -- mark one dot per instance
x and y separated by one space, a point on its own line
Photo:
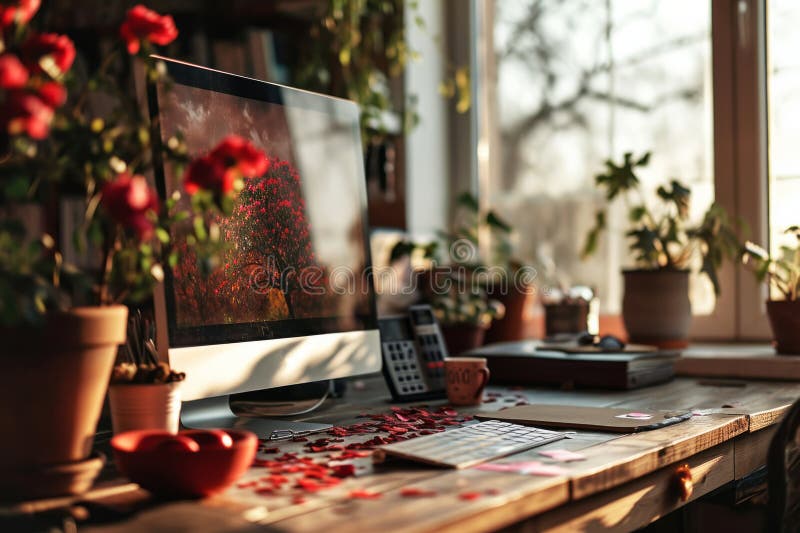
470 445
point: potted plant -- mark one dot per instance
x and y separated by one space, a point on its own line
784 277
656 308
464 316
567 312
144 392
63 321
506 279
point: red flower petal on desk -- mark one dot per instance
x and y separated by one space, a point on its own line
364 495
345 470
415 492
468 496
298 499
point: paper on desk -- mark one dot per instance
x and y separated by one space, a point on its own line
533 468
564 456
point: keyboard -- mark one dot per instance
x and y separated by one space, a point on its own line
470 445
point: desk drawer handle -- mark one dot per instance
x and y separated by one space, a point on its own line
683 482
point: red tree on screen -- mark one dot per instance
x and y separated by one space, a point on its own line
269 235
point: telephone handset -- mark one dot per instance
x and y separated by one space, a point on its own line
413 355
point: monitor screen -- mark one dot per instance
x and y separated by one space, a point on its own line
295 260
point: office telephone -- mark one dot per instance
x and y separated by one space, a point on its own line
413 355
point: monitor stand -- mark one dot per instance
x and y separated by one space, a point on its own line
248 411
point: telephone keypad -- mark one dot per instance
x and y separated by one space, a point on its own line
403 367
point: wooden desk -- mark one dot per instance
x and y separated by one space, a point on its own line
624 483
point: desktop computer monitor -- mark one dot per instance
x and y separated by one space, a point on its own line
291 300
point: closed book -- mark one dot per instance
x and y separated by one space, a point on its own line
521 363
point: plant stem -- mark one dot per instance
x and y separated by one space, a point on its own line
105 273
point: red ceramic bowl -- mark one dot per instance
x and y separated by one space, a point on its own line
178 472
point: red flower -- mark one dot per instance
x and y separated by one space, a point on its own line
235 151
48 46
128 200
145 24
53 94
13 75
206 173
220 169
25 112
20 12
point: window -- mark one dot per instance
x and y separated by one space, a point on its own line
562 86
783 79
578 82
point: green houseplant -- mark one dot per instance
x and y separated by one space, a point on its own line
64 319
505 278
465 313
656 308
783 273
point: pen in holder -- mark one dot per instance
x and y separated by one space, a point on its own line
144 392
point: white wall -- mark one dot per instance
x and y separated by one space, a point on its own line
427 172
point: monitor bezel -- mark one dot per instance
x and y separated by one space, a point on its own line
241 86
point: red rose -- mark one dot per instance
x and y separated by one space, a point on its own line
128 200
20 12
237 152
58 48
53 94
25 112
206 173
143 24
218 171
13 75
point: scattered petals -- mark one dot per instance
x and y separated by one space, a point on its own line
364 495
415 492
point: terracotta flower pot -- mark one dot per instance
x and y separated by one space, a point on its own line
656 308
566 317
145 406
517 302
784 318
460 338
52 387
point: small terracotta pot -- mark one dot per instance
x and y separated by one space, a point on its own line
52 387
145 406
656 307
518 303
460 338
566 317
784 318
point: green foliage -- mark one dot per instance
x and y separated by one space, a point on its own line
470 223
83 152
662 239
783 271
354 52
467 307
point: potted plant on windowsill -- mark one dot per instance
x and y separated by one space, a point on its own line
464 316
505 279
784 276
62 322
656 308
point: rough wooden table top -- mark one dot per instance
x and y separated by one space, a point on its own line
471 499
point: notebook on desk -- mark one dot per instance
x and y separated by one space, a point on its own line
589 418
528 363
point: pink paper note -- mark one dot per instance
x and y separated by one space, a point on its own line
534 468
564 456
